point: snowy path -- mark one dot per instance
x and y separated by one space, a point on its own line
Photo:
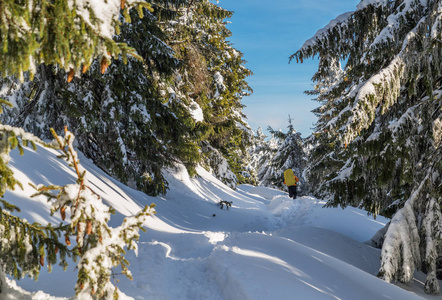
266 246
293 262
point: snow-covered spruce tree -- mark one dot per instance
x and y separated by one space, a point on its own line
290 155
26 247
213 77
249 171
322 161
156 125
98 246
264 165
128 120
70 34
379 128
260 154
156 110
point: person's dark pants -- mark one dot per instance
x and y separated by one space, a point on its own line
293 193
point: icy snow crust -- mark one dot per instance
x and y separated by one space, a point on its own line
266 246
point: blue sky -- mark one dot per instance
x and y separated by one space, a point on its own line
267 33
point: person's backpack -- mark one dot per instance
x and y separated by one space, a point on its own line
290 178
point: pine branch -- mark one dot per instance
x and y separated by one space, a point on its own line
99 246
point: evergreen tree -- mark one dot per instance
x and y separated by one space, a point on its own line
260 154
265 169
99 246
290 155
377 140
213 75
125 120
137 124
156 110
35 32
322 161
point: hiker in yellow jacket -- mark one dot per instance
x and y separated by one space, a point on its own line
291 180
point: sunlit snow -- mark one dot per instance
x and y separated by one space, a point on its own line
266 246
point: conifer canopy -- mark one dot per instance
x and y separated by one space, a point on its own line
67 33
376 144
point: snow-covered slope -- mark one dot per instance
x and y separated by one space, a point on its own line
266 246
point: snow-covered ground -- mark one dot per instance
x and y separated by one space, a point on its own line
266 246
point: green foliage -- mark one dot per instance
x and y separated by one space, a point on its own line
136 119
376 141
213 76
24 247
97 244
57 32
290 154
